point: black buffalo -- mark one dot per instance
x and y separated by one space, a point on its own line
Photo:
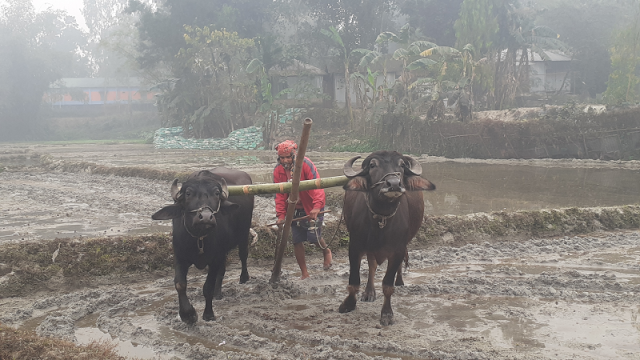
383 210
207 224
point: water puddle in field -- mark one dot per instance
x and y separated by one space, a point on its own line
473 188
86 336
559 328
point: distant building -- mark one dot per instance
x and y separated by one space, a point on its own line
549 75
89 92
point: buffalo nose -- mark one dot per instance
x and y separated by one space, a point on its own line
205 217
393 184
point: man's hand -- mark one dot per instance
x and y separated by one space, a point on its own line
313 214
280 222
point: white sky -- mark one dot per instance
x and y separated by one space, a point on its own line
73 7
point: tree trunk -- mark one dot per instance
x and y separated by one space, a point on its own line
347 92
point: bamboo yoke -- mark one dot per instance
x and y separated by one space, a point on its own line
282 188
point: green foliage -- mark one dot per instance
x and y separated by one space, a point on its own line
622 86
477 24
434 18
213 92
359 22
161 27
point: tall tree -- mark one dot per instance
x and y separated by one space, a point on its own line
213 93
434 18
477 25
623 81
33 54
505 32
359 22
161 27
100 15
588 27
106 19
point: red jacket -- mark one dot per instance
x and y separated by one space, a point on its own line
311 199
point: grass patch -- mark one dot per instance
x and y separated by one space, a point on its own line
571 221
17 344
32 266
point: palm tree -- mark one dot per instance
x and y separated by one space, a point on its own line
519 35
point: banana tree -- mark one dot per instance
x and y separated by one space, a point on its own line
438 60
408 53
370 58
267 106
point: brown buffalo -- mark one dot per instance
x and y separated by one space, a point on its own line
383 210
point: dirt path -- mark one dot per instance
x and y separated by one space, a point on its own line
560 298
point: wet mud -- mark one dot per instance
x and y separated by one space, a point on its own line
568 297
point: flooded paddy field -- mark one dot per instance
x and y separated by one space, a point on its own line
569 297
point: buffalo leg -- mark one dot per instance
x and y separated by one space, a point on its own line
386 316
243 250
219 276
210 288
399 281
349 304
370 291
186 310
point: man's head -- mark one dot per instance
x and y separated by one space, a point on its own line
287 153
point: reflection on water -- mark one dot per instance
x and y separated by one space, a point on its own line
86 336
472 188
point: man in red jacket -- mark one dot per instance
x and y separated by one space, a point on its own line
310 202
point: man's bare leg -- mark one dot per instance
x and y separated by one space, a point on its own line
326 252
298 250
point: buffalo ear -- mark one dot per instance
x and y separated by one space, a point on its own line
417 183
168 212
228 206
358 183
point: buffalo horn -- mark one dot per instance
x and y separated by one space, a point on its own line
348 168
174 190
225 191
415 167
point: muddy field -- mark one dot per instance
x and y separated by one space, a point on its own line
568 297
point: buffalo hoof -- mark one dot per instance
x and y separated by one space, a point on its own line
399 283
244 277
386 319
368 297
348 305
208 316
189 316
